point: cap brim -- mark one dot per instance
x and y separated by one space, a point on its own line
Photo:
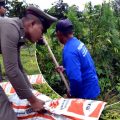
42 14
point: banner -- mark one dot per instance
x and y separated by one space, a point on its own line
34 79
24 111
79 109
60 109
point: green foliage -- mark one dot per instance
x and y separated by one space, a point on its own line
105 46
45 89
97 27
111 113
58 9
28 60
118 87
16 8
72 15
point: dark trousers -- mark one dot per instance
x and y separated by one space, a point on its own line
6 111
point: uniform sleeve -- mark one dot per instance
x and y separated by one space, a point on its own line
9 42
73 71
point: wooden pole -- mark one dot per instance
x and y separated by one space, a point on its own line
56 63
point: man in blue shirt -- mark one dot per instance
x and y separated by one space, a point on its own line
78 63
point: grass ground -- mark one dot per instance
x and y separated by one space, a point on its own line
28 60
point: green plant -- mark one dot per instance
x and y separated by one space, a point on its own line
45 89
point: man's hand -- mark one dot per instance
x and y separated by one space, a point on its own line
37 105
60 69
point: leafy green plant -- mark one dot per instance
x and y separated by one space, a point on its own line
45 89
97 27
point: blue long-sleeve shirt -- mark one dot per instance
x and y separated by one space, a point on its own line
80 70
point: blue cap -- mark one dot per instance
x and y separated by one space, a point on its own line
64 26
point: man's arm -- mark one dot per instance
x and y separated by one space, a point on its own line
73 70
9 42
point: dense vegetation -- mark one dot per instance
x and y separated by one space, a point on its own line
99 28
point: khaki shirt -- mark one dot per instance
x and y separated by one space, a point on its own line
11 38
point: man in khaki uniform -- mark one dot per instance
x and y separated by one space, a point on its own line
12 34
